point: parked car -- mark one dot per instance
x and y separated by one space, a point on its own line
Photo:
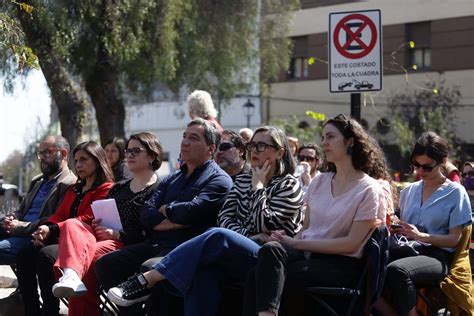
363 84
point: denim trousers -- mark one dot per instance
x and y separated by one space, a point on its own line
10 246
281 274
197 267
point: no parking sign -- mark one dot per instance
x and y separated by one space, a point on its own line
355 51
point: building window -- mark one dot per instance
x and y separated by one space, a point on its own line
298 68
299 61
420 55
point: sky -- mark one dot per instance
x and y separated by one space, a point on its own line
23 113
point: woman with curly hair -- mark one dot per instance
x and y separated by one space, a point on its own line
200 105
344 207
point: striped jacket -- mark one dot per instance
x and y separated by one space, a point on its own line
277 206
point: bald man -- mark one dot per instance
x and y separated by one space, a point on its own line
44 195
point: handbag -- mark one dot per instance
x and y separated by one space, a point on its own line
12 305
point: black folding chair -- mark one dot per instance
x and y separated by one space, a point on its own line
370 284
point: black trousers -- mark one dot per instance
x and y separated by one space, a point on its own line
405 274
32 263
117 266
283 272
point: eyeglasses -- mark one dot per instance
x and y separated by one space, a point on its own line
46 153
306 158
260 147
133 152
425 167
225 146
468 174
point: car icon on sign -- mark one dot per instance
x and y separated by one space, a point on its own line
363 84
342 85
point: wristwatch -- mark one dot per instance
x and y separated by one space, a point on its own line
167 209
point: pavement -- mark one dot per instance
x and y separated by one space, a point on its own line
8 284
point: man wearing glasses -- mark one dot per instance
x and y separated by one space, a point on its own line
309 161
231 154
44 195
183 206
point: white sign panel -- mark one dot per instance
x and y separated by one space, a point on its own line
355 51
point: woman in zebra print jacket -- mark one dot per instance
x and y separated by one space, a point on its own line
268 199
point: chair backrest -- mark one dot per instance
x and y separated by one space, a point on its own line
376 256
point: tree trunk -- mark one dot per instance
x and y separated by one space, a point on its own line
67 94
107 101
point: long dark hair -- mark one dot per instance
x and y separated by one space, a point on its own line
103 171
431 145
366 153
287 164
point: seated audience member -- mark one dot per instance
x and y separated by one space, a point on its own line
309 157
451 171
344 207
37 260
81 244
43 197
468 182
246 134
183 206
200 105
114 149
294 144
268 199
231 154
434 212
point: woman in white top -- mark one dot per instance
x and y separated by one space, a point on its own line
344 206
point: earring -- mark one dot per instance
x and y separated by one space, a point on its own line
350 149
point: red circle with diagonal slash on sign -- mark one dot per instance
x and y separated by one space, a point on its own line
353 37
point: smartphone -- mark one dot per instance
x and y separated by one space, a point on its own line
396 226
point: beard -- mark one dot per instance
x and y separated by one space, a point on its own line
51 168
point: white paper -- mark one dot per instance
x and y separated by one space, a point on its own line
107 211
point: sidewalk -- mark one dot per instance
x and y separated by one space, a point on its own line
8 284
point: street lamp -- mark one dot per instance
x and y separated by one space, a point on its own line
249 109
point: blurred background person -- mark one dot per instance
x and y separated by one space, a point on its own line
293 141
468 182
309 158
115 153
200 105
246 134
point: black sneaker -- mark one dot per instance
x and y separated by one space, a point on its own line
132 291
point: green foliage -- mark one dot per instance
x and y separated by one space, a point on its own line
308 134
428 109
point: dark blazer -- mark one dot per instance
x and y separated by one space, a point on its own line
49 206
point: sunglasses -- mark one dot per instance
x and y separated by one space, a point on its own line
468 174
306 158
259 147
133 152
225 146
425 167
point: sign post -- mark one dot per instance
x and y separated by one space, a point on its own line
355 54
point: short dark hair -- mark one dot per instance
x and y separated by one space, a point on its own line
120 144
103 172
315 147
153 146
211 134
237 140
431 145
61 142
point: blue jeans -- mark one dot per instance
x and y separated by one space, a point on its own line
9 248
198 266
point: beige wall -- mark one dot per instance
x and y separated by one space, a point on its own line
314 95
